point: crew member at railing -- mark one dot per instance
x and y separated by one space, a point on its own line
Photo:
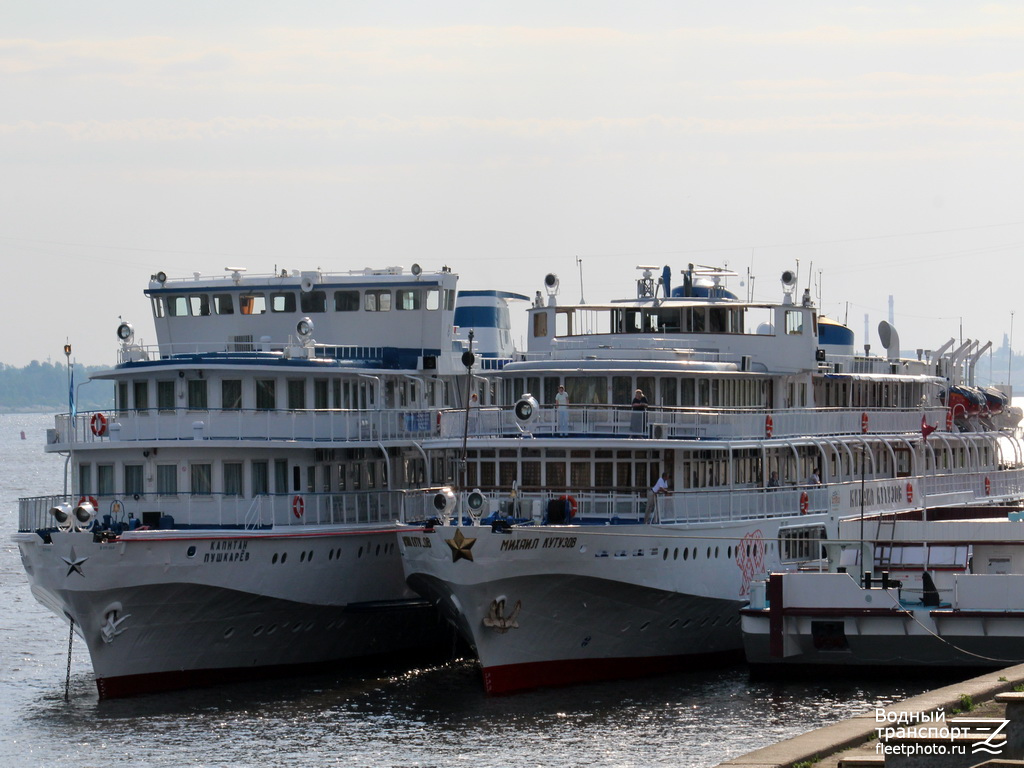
660 489
562 410
639 416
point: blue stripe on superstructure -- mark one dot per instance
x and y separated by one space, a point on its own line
256 288
397 358
477 317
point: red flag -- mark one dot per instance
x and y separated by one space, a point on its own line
926 428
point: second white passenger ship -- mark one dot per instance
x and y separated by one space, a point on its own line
550 552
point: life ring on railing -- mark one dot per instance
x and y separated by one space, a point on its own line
298 506
91 500
988 487
769 425
910 493
864 422
573 505
949 419
805 502
98 424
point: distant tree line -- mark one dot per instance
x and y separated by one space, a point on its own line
44 387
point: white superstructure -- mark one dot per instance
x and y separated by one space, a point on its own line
770 426
235 512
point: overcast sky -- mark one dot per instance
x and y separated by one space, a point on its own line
877 145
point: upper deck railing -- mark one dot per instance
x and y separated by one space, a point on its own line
285 512
417 424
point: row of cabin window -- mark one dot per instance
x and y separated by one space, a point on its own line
350 476
258 303
333 393
666 391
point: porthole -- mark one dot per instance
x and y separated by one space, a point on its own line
284 556
378 550
229 632
709 553
664 554
258 631
310 558
330 554
729 553
297 627
686 553
273 560
360 552
675 553
644 626
302 557
190 552
272 629
716 552
673 623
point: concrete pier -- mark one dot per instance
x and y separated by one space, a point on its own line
822 745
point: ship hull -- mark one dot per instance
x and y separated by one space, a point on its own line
555 605
170 612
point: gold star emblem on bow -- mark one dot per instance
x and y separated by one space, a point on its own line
461 546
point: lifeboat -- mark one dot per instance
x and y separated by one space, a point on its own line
964 401
995 399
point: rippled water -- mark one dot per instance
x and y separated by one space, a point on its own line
403 719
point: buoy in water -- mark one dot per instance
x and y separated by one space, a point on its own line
23 434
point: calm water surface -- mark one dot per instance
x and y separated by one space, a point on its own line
423 718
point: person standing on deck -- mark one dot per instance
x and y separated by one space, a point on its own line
660 489
562 410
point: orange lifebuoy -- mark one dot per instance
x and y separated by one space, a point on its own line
298 506
98 424
91 500
910 493
988 487
949 419
573 506
805 502
769 425
864 422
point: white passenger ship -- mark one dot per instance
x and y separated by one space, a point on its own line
771 427
235 513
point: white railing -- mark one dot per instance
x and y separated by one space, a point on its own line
220 511
246 424
690 423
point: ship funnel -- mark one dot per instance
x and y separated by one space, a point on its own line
890 339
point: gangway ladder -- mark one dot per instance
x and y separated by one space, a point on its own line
885 533
254 515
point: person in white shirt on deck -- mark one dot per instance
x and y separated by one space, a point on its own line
660 489
562 410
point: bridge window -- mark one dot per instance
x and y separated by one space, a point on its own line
794 321
346 301
377 301
253 304
282 302
433 299
222 304
199 304
314 301
409 299
177 306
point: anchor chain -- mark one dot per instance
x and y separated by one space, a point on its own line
67 679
